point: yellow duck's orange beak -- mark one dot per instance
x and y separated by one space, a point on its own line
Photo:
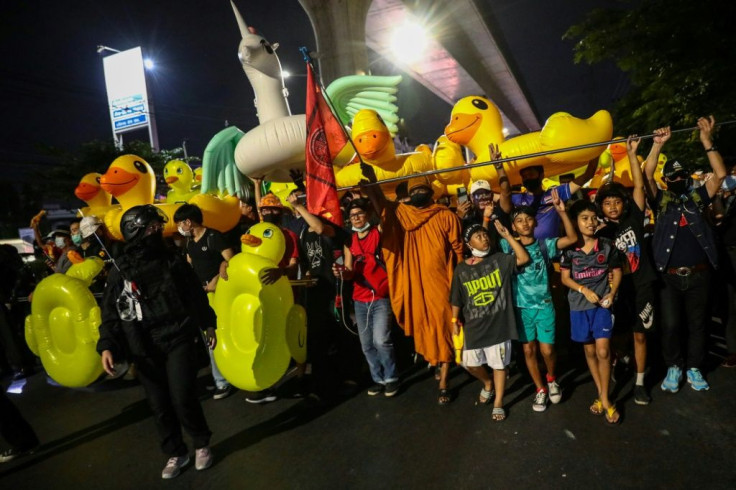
117 181
370 143
618 150
463 127
172 179
250 240
85 191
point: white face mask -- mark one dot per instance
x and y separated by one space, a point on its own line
60 242
479 253
362 229
182 232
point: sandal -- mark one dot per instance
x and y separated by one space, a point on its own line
498 414
485 396
612 415
444 397
597 407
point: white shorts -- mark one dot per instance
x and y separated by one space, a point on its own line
496 356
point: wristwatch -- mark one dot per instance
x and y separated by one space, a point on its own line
712 148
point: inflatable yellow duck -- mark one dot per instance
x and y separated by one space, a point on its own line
259 328
616 155
179 177
197 182
131 181
373 142
62 329
97 199
475 122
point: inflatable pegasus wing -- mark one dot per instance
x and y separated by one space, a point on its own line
353 93
220 174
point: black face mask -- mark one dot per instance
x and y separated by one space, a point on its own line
420 199
532 185
679 187
273 218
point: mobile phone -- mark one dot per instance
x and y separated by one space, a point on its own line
729 183
462 195
301 199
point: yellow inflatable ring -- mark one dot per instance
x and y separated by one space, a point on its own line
62 330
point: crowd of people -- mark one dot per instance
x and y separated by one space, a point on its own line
504 272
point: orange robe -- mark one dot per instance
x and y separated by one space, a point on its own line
421 248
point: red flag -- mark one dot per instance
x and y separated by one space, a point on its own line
325 139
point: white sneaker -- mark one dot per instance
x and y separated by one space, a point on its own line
173 466
540 401
555 392
203 458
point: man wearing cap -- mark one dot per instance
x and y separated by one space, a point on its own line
421 246
548 221
480 208
684 252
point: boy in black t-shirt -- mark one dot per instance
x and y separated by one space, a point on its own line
624 225
481 286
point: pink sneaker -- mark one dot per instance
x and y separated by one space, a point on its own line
203 458
173 466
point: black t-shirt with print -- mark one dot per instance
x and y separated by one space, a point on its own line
628 237
483 292
206 254
590 270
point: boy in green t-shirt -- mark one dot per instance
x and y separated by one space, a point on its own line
535 313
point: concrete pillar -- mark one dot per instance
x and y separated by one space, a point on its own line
339 27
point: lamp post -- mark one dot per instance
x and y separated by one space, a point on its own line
127 86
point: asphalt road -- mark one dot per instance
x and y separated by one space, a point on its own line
103 437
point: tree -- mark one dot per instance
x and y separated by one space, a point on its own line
680 58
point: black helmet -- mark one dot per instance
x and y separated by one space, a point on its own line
134 222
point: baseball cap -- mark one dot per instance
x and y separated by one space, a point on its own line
480 185
472 230
421 181
89 225
673 169
57 232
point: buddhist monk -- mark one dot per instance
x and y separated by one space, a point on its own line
421 245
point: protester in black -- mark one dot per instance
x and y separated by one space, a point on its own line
152 308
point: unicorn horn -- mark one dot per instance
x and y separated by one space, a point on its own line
241 23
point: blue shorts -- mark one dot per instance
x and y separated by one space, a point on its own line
536 324
589 325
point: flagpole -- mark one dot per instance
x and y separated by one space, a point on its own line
308 59
518 157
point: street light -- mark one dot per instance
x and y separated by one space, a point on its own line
127 86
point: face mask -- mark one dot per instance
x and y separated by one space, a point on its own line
60 242
362 229
77 238
679 187
532 184
182 232
479 253
420 199
273 218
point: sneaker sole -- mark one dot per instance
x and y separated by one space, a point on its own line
555 402
220 397
263 400
670 390
539 409
698 389
389 394
201 468
374 393
641 402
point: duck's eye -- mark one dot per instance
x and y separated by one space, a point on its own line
480 104
268 233
179 171
97 179
140 166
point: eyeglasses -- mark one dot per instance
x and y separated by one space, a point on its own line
357 215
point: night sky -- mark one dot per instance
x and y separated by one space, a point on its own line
53 91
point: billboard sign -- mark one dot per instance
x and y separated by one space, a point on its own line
127 98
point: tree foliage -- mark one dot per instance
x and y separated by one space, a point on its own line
680 57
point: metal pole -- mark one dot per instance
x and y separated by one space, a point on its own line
519 157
